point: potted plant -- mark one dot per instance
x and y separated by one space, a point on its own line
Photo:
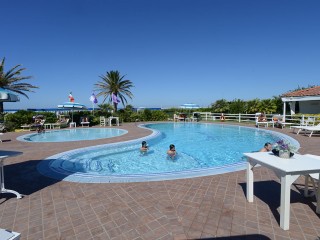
283 149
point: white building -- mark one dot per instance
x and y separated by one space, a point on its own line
308 99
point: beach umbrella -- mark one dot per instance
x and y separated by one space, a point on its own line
189 106
72 106
7 96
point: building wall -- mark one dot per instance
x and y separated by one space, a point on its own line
311 107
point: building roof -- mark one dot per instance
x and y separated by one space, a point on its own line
313 91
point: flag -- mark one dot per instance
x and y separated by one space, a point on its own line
93 98
71 98
115 98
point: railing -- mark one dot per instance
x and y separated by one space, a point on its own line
243 117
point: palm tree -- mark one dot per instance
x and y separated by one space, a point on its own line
11 80
113 83
221 106
253 105
267 106
105 108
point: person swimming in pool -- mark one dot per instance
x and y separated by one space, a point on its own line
266 148
144 147
172 151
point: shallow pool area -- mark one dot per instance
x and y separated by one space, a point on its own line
203 149
72 134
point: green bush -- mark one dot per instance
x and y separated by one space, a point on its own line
148 115
159 116
15 120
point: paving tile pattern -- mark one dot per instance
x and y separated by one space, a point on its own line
213 207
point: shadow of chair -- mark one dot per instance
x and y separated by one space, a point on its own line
25 178
270 191
313 178
239 237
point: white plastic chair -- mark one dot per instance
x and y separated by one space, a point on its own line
102 121
266 123
309 122
84 121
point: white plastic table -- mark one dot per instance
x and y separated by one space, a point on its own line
116 118
4 155
73 125
9 235
288 170
47 126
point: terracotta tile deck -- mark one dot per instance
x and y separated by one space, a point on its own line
213 207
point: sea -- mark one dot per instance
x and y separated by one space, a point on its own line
54 110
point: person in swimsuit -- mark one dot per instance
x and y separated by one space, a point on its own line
266 148
144 147
172 151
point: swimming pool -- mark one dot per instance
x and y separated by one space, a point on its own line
75 134
203 149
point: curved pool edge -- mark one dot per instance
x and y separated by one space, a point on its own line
25 137
61 174
44 169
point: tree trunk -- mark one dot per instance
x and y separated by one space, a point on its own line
1 107
115 106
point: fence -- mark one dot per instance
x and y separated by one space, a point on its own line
242 117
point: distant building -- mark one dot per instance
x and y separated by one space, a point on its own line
308 100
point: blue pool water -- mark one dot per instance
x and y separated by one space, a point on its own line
203 149
75 134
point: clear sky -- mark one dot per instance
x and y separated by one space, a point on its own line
174 51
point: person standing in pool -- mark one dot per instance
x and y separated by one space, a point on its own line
144 147
266 148
172 152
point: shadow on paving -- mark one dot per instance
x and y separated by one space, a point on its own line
24 178
240 237
270 192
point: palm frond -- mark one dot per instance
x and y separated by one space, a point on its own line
113 82
11 80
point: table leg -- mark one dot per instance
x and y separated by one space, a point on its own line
285 202
318 197
3 189
249 182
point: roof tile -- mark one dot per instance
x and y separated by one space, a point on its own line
313 91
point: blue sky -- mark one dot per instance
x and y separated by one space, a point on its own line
174 51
